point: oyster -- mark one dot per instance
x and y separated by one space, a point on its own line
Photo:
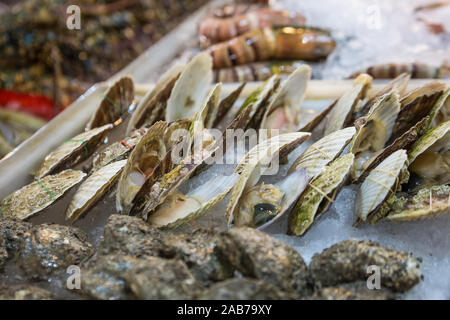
427 203
226 104
140 165
254 165
284 108
342 113
179 208
39 194
114 104
264 204
318 195
152 106
191 89
322 152
93 188
429 157
73 151
379 186
118 150
440 110
415 106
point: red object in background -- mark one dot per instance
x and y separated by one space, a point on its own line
37 105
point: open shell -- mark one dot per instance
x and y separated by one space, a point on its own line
115 103
322 152
73 151
152 106
226 104
342 112
379 185
252 166
93 188
319 193
179 208
284 108
141 163
439 111
39 194
190 89
427 203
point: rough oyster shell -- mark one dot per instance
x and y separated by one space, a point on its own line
379 185
342 112
39 194
179 208
141 163
251 166
284 108
322 152
191 89
152 106
115 103
73 151
427 203
93 188
319 193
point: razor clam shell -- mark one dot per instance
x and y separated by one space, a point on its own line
403 142
290 93
415 106
33 198
419 206
73 151
204 198
191 88
342 113
379 184
226 104
125 191
427 140
293 185
152 106
250 166
322 152
117 150
310 203
93 188
122 94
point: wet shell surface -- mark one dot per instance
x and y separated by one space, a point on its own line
179 208
114 104
191 89
322 189
427 203
322 152
226 104
380 184
93 188
39 194
257 163
342 112
284 108
73 151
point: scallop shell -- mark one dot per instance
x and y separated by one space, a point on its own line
115 103
318 155
379 185
73 151
152 106
140 165
289 97
427 203
251 166
438 109
191 89
226 104
319 193
118 150
93 188
179 209
428 140
39 194
342 112
314 122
